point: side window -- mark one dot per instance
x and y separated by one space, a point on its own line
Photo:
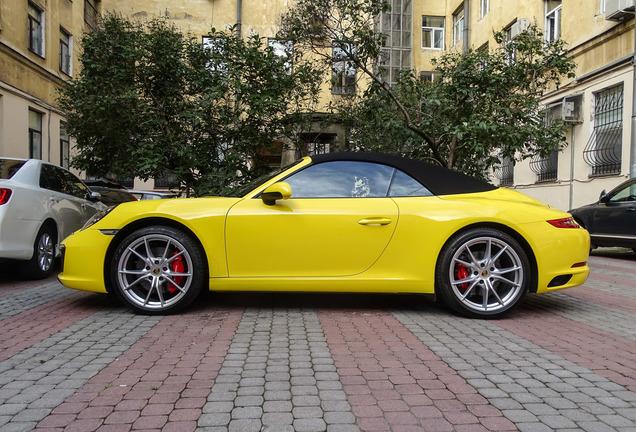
50 179
627 194
406 186
342 179
73 185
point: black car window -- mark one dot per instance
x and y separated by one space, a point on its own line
404 185
627 194
9 167
73 185
50 179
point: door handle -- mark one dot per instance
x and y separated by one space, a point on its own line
375 221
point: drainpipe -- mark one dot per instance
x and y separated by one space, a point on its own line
239 17
466 24
632 157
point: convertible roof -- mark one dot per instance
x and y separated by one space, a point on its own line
437 179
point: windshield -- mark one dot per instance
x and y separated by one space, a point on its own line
243 190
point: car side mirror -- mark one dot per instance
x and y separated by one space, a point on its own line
603 197
275 192
94 196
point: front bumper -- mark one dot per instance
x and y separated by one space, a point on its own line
83 258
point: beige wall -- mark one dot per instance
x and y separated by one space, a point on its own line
30 81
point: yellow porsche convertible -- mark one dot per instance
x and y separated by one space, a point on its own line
340 222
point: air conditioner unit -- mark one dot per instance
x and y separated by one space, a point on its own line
572 109
619 10
518 27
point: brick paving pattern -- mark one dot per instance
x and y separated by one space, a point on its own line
564 361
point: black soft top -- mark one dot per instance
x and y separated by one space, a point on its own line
437 179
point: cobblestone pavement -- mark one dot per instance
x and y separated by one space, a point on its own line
565 361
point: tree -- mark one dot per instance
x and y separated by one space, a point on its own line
485 105
151 101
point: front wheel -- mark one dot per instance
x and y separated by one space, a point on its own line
158 270
482 273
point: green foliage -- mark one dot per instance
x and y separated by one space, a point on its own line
485 105
151 101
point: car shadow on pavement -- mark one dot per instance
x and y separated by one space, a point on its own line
614 252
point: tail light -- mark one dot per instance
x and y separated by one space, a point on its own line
564 223
5 194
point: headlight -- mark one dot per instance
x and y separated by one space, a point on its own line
97 217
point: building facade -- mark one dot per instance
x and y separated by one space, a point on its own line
38 53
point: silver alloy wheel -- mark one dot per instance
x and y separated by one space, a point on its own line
155 271
486 274
45 252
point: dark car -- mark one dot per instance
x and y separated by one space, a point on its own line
112 193
611 221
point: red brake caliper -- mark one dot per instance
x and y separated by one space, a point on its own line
177 267
461 272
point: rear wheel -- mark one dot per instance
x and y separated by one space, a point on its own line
482 273
158 270
42 263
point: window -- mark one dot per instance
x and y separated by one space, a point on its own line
215 48
546 168
35 135
626 193
36 29
603 150
505 171
430 76
432 32
60 180
90 13
552 20
65 146
350 179
166 181
484 8
509 47
397 25
66 52
601 8
343 76
282 49
458 26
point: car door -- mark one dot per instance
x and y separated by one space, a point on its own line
66 199
616 214
337 222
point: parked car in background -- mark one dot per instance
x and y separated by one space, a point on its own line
611 221
338 222
151 195
111 193
40 204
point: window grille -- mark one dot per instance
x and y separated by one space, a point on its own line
166 181
603 150
505 171
546 168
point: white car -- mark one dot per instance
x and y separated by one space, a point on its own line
40 205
